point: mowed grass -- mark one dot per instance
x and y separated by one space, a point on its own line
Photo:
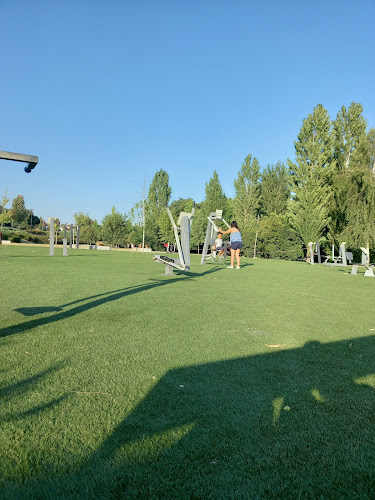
119 382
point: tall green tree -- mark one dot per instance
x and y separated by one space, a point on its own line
115 228
310 175
246 202
359 208
349 130
90 229
275 189
159 194
353 150
215 199
4 214
18 210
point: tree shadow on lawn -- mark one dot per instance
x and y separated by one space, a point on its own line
289 424
95 300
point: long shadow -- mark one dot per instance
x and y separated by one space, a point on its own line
22 387
95 301
289 424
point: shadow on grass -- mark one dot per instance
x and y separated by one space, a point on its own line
295 423
26 386
90 302
289 424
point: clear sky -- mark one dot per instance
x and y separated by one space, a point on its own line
108 92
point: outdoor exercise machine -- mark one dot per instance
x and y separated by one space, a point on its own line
365 261
183 226
29 159
51 226
343 259
211 233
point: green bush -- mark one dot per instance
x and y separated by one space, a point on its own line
16 239
5 236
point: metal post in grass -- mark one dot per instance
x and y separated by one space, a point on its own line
65 242
77 237
310 245
343 253
70 236
51 224
317 248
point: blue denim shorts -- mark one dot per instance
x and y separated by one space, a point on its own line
236 245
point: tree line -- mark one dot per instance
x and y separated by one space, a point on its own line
326 194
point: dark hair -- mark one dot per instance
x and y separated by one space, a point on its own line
234 224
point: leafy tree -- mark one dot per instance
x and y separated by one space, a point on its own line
90 229
275 189
354 149
82 219
215 199
199 227
115 228
18 210
158 197
360 209
246 203
278 240
309 210
310 174
4 214
349 130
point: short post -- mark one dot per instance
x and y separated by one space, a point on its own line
65 242
168 270
343 253
310 245
71 236
77 237
317 247
51 223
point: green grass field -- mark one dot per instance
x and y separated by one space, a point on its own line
119 382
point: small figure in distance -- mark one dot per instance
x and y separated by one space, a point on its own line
235 243
219 246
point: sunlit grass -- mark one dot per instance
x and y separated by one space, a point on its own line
118 381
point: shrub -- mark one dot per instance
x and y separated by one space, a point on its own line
16 239
5 236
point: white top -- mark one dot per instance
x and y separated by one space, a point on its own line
219 242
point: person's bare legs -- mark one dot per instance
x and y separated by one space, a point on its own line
232 255
237 257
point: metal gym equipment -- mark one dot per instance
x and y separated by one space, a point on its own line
29 159
343 259
184 226
366 263
51 225
211 234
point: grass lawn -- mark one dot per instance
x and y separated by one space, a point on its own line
119 382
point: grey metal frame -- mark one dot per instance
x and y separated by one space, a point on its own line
211 233
31 161
183 246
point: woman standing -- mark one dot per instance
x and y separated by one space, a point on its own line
235 243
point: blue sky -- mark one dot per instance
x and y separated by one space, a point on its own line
108 92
